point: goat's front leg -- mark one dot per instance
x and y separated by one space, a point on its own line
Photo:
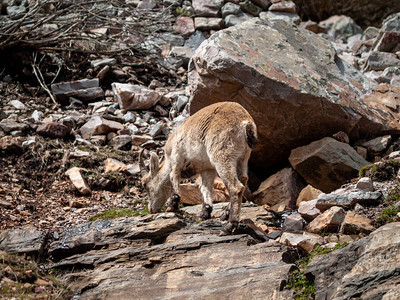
207 191
175 195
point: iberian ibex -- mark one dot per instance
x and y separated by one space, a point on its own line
216 140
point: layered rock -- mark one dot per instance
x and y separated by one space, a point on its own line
366 269
265 72
129 258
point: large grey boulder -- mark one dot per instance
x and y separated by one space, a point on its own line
366 269
292 83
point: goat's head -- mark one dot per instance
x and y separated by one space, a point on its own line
156 183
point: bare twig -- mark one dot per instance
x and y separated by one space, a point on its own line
40 79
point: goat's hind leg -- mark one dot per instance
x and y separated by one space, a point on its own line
236 189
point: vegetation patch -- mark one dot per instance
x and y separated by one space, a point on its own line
24 279
382 171
304 286
119 213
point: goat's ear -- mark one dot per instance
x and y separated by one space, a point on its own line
154 165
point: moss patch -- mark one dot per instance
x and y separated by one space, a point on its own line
303 286
119 213
382 171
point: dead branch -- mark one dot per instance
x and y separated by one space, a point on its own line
63 25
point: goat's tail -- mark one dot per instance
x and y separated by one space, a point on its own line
251 134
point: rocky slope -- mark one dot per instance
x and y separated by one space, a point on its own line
325 176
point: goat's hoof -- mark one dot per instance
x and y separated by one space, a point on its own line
170 209
225 215
229 228
206 212
174 202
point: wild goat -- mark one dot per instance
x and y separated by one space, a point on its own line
216 140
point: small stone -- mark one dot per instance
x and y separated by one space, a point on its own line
250 8
11 144
207 8
355 224
307 194
36 115
129 117
5 204
157 129
293 223
284 6
342 137
230 9
305 241
132 97
77 179
8 126
113 165
98 125
201 23
137 140
329 221
18 105
365 184
377 145
53 130
308 210
184 26
121 141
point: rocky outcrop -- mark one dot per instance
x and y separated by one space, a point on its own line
366 269
265 72
158 254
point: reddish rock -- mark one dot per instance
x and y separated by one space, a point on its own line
307 194
131 96
280 191
329 221
284 6
207 8
327 164
113 165
53 130
11 144
184 26
355 224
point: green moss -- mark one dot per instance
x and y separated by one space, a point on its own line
304 287
367 170
387 215
385 170
119 213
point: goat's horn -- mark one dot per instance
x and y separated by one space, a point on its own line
143 169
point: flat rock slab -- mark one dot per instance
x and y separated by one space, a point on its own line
23 240
190 263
